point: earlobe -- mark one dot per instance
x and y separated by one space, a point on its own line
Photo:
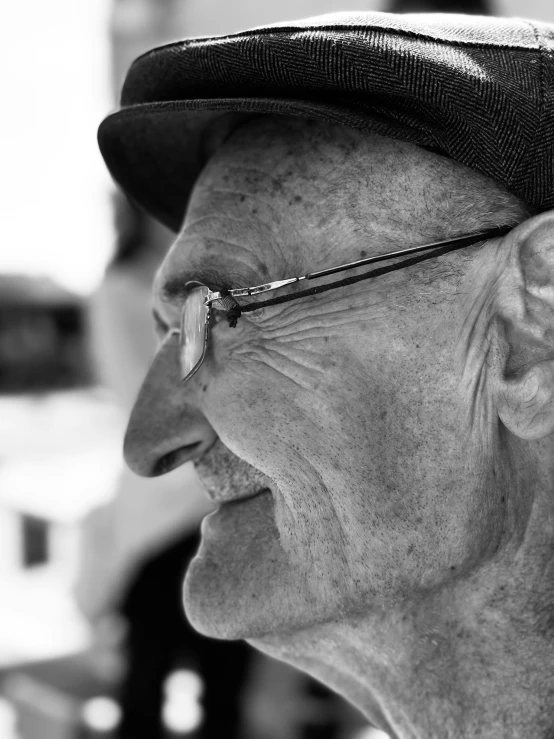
526 404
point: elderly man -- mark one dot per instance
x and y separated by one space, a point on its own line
378 437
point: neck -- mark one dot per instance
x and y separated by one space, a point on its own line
475 658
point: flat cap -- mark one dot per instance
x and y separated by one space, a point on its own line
477 89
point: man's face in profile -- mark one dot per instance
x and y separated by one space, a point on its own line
344 434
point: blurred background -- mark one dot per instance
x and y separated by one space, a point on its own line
93 642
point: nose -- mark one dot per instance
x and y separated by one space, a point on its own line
165 429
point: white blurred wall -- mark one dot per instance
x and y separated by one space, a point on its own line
211 17
53 189
538 9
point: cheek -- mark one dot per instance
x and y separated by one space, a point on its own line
258 414
326 404
364 442
278 388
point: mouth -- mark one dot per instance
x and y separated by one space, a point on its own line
238 498
222 495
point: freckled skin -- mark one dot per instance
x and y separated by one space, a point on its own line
390 557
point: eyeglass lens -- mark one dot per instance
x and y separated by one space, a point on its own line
194 331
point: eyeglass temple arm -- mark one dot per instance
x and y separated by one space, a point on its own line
234 309
457 243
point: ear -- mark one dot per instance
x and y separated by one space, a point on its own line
526 398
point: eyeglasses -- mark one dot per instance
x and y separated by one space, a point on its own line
194 329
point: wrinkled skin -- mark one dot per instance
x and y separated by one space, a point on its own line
398 536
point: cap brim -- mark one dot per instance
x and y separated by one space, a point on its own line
440 81
155 151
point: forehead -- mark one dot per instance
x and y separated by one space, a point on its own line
282 196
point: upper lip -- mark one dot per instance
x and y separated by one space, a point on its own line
225 477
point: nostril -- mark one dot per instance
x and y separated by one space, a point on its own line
174 459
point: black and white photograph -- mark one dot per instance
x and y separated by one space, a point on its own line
277 369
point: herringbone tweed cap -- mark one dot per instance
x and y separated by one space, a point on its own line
479 90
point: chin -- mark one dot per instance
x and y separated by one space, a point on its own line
221 606
241 585
214 612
